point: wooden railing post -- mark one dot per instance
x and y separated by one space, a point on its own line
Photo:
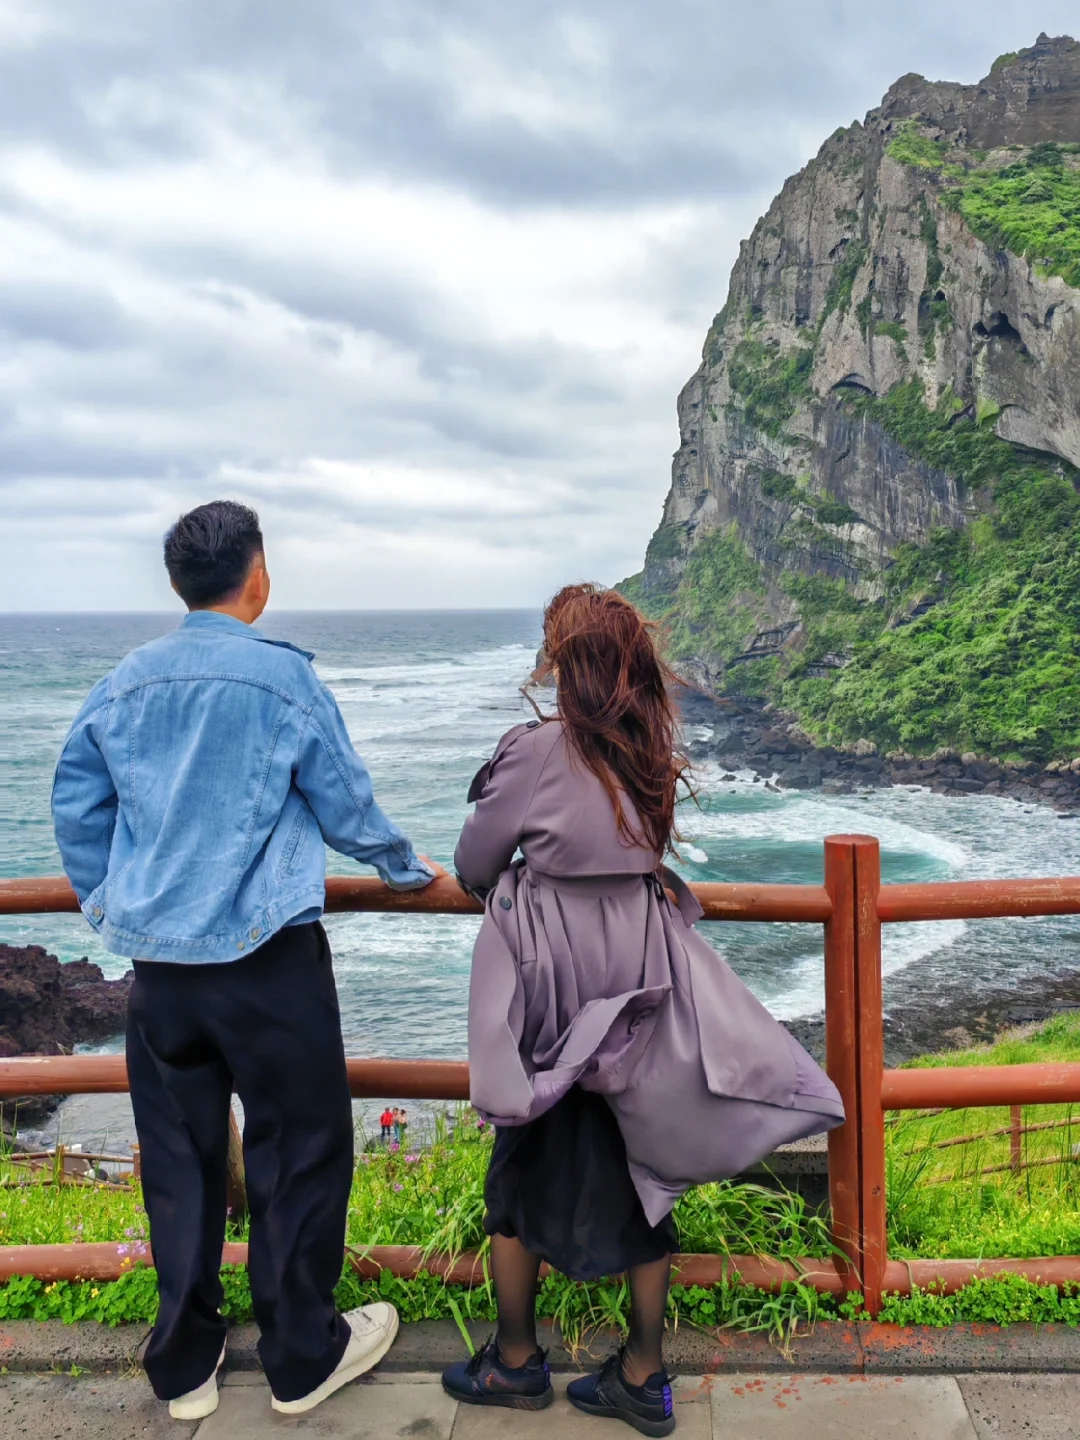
854 1057
871 1066
841 1044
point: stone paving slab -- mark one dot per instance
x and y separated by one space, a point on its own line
358 1412
63 1407
961 1349
831 1347
839 1407
1023 1407
753 1406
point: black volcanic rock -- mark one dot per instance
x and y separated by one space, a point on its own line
47 1007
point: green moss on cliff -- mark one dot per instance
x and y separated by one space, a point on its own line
911 147
718 599
1031 208
838 295
993 665
770 382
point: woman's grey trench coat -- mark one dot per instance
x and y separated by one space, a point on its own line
585 973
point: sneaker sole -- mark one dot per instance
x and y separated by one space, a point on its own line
337 1380
198 1409
506 1402
655 1428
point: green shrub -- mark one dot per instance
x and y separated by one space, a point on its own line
845 272
779 487
1031 208
834 512
770 382
911 147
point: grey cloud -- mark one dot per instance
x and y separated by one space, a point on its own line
164 382
75 316
689 91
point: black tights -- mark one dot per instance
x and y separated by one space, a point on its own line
515 1273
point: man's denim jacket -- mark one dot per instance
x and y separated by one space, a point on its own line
196 788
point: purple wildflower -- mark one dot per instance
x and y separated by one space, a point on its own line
399 1188
123 1249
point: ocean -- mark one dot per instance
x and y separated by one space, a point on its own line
426 696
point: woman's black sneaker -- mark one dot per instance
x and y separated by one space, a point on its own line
648 1408
485 1380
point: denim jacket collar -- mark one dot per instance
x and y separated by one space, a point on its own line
215 620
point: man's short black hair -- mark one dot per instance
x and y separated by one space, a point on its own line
208 552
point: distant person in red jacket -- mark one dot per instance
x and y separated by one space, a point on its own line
386 1124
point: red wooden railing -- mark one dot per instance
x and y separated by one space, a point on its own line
852 905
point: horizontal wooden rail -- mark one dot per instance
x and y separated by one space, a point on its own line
806 903
959 1086
979 899
108 1261
107 1075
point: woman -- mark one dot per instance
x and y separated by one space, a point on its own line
618 1056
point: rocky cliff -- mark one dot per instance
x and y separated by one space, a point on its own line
873 517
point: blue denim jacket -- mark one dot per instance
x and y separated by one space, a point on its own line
196 787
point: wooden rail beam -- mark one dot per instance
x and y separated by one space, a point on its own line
958 1087
107 1075
793 903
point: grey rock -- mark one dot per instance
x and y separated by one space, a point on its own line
1008 349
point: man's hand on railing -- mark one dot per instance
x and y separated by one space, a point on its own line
440 872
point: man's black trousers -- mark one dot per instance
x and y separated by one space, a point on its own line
268 1025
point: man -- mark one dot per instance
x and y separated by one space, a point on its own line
191 803
386 1123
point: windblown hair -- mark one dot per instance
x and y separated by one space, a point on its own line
615 705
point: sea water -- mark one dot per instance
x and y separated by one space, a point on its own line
426 696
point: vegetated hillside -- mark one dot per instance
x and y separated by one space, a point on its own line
874 519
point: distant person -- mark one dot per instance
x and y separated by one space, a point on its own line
619 1058
191 802
386 1124
402 1126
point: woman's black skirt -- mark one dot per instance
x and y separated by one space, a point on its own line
561 1185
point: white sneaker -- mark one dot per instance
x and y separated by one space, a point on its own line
198 1404
374 1328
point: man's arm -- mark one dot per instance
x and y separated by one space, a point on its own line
335 782
84 799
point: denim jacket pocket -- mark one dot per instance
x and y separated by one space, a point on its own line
295 841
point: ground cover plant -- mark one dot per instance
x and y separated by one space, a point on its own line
940 1205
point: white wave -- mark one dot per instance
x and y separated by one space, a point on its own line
691 852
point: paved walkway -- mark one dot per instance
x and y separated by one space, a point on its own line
413 1407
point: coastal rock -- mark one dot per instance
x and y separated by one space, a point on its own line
48 1008
866 281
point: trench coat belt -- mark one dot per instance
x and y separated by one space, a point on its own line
664 883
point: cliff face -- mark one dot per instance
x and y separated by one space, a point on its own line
924 264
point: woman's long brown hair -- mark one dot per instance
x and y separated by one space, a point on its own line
615 704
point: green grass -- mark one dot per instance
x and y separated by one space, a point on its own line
1031 208
942 1205
911 147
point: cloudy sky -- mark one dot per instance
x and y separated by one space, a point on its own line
420 279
